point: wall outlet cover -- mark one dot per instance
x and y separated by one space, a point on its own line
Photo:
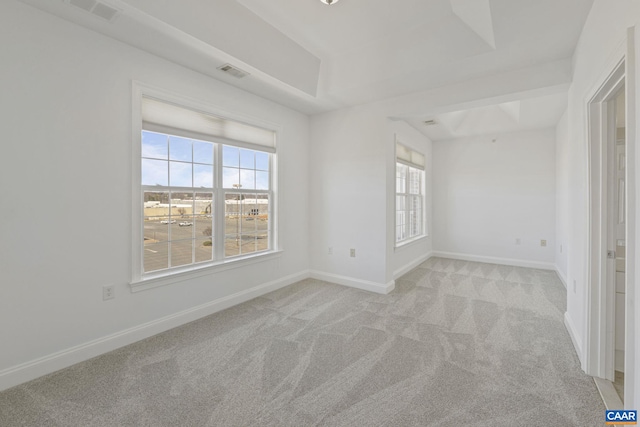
108 292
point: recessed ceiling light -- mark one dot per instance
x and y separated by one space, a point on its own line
329 2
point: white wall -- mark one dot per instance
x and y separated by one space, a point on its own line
562 197
353 182
488 194
603 35
348 183
66 130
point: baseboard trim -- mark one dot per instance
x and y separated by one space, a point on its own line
568 324
351 282
28 371
496 260
410 266
561 276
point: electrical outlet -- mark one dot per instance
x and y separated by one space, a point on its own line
560 248
353 253
108 292
543 242
518 241
574 286
330 250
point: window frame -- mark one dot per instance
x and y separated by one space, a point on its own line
407 195
140 280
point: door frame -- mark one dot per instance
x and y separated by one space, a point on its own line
599 351
601 287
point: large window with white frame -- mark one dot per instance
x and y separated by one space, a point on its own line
206 189
410 182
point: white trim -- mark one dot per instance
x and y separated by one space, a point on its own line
600 302
45 365
137 210
631 369
410 266
351 282
563 279
496 260
193 272
407 242
577 344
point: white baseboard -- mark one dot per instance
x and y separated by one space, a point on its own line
45 365
577 344
351 282
561 276
413 264
496 260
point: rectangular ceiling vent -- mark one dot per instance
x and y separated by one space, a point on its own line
234 71
430 122
96 8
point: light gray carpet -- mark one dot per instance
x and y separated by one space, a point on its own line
456 344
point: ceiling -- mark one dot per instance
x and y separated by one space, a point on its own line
316 58
513 116
374 49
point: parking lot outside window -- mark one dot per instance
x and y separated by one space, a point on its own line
206 196
178 202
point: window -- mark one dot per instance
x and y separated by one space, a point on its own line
409 194
206 189
178 198
246 213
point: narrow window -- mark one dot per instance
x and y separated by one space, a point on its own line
410 183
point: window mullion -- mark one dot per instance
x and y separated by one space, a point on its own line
169 232
407 204
169 237
271 225
219 220
193 226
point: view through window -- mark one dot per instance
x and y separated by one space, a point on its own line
204 200
409 194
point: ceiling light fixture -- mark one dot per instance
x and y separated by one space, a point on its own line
329 2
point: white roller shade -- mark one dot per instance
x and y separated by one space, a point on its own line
408 156
159 116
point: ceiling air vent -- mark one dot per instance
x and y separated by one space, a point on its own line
430 122
234 71
96 8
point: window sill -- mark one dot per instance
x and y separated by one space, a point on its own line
168 278
410 242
